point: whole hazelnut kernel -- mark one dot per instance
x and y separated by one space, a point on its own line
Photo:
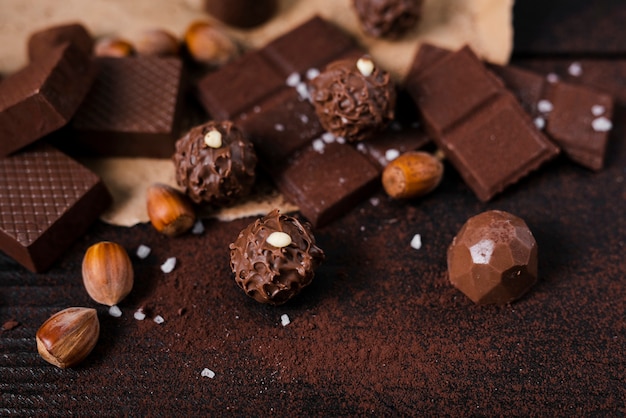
113 47
107 273
68 336
158 42
412 174
170 211
209 45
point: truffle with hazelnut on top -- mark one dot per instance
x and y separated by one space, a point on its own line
274 258
215 163
354 99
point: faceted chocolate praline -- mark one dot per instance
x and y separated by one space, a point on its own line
269 274
220 175
350 104
493 258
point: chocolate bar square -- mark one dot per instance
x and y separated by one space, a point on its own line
326 181
47 200
43 96
578 118
280 126
133 109
479 125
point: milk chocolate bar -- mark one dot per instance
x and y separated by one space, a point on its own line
578 118
265 92
43 96
478 124
133 109
47 200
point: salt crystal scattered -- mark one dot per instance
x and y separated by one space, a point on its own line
304 118
169 265
279 127
361 147
597 110
207 373
303 91
256 109
575 69
284 320
328 137
311 73
158 319
374 201
392 154
552 78
540 123
318 145
115 311
143 251
340 140
601 124
544 106
198 227
416 242
293 79
139 315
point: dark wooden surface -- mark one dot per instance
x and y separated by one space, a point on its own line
380 331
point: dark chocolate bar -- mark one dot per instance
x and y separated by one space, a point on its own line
578 118
40 42
133 109
315 170
43 96
47 200
478 124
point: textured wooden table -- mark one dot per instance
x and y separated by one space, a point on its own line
380 331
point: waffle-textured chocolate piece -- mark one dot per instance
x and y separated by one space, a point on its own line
266 92
43 96
578 118
133 109
478 124
47 200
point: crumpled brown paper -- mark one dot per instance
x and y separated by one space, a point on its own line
483 24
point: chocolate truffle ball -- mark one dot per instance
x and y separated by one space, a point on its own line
353 99
215 163
388 18
274 258
242 13
493 258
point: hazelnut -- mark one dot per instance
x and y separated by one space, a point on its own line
68 336
207 44
157 42
107 273
170 211
412 174
113 47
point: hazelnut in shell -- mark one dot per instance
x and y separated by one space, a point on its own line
68 336
170 211
412 174
113 47
157 42
207 44
107 273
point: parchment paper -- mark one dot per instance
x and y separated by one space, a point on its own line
486 25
